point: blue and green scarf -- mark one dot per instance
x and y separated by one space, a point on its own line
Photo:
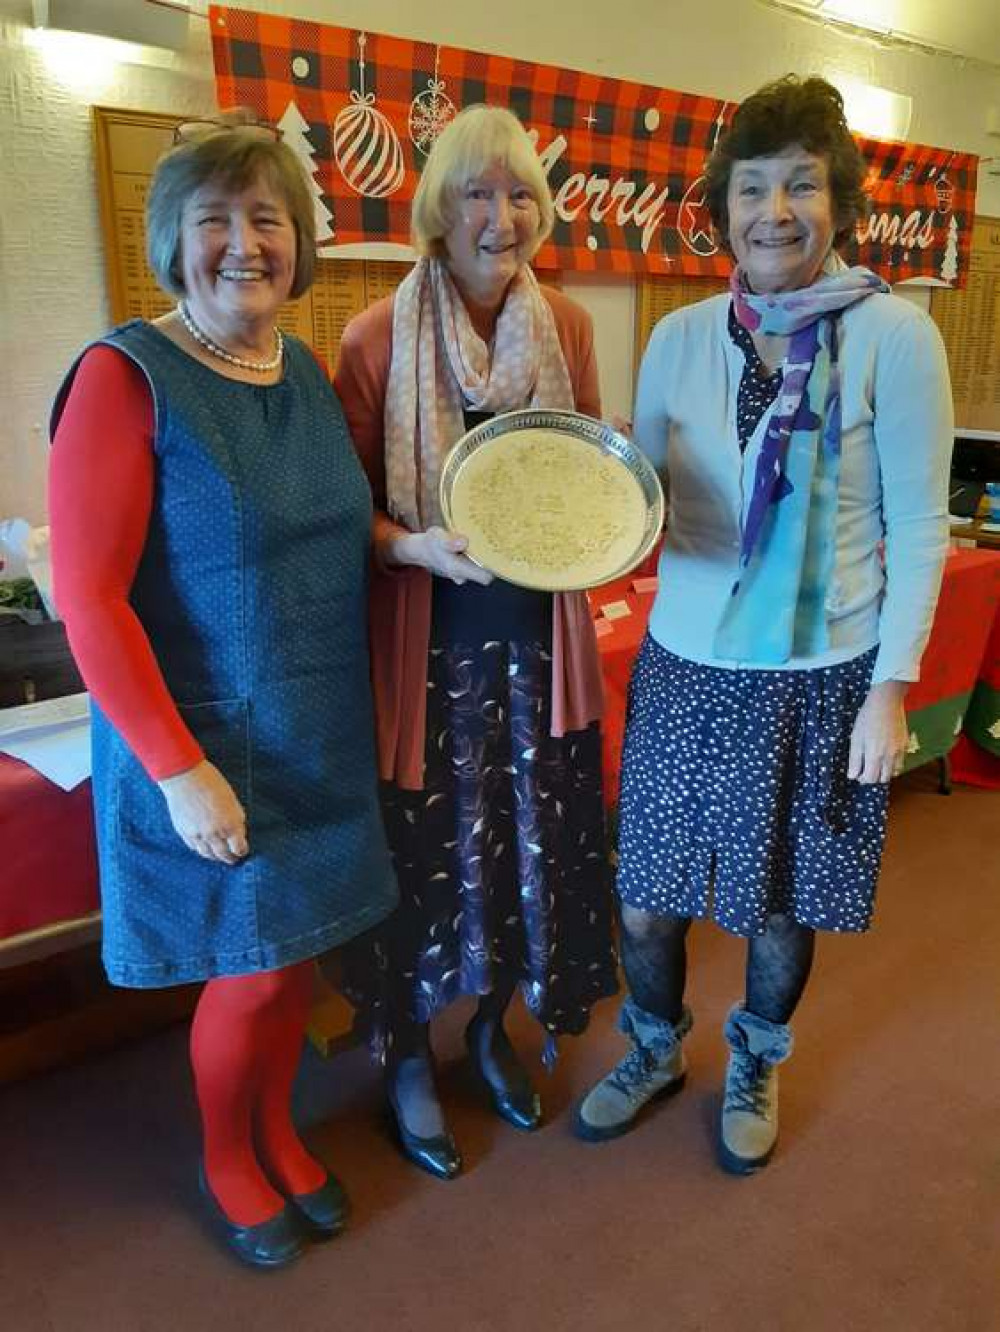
777 608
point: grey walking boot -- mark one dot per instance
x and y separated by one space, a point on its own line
749 1127
652 1070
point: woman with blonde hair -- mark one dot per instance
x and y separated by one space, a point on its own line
487 695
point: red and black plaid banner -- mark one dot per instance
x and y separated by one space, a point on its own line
624 160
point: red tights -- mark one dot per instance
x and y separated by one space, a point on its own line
246 1040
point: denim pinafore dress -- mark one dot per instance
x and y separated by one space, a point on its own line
252 590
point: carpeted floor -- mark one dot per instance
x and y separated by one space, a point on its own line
880 1213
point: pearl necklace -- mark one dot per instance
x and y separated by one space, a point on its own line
203 340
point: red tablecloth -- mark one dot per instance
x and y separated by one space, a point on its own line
976 757
956 656
618 639
938 704
49 871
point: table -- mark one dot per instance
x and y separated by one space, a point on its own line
49 903
618 641
976 757
49 882
959 682
937 705
49 855
974 532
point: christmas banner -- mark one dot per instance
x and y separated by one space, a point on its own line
625 161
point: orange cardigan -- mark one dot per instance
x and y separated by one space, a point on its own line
400 620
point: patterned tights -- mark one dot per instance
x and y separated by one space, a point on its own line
654 951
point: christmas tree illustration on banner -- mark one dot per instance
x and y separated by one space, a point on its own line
430 111
366 147
295 131
949 265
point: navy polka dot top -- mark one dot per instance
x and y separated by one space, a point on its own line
758 388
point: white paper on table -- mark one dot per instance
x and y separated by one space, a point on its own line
53 737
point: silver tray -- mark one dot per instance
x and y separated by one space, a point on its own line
551 539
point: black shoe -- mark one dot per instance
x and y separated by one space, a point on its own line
438 1155
322 1213
516 1101
275 1242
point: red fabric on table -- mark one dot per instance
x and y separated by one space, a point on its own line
970 593
618 647
989 669
49 854
973 765
968 607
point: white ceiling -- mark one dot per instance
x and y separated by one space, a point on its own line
969 28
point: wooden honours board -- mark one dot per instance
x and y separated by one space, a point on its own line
128 144
969 321
659 296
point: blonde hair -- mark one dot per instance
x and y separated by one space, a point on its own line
478 138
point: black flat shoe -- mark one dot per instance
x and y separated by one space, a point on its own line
439 1155
273 1243
323 1213
517 1101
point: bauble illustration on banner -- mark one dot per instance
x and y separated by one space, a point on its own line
366 146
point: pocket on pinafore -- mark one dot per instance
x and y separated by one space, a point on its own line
171 903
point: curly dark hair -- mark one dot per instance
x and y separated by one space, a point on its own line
807 112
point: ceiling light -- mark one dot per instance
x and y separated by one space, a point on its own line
145 22
855 12
877 112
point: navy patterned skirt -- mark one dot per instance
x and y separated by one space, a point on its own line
735 800
501 858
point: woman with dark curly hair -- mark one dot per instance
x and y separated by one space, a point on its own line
803 422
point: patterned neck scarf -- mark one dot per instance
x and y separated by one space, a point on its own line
441 366
777 608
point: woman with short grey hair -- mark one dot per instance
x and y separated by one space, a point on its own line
210 531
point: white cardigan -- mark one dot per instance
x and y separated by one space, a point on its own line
897 440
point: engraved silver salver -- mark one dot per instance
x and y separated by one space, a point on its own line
551 500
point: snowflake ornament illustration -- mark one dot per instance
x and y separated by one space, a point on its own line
430 111
366 147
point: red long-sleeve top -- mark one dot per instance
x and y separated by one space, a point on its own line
101 482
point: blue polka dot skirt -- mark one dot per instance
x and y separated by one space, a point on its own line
735 800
